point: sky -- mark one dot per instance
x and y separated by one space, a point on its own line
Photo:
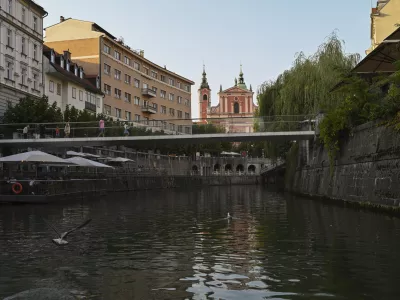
262 35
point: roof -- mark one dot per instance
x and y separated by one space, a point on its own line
38 7
70 75
97 26
240 90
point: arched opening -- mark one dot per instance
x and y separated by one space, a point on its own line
217 167
236 108
240 168
228 167
251 169
205 97
195 169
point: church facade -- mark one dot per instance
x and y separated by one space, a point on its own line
235 108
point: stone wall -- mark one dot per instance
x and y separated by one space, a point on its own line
367 169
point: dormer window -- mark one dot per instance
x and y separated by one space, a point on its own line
76 70
68 65
53 57
81 73
62 62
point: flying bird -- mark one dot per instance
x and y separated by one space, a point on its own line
62 237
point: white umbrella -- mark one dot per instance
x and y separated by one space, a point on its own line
34 157
83 162
91 155
121 159
73 153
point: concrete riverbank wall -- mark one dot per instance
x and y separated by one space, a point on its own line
367 169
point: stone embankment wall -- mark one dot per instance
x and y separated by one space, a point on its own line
367 169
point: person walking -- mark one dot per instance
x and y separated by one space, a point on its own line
101 127
67 130
25 131
57 132
126 129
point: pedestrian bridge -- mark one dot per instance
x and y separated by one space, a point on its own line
154 140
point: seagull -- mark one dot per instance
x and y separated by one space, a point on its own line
61 240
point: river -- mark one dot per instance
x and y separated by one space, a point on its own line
176 245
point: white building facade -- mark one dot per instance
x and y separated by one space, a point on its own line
21 36
65 83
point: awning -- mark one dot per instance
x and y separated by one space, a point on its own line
35 157
121 159
83 162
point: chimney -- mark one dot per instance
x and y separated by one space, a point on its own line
62 19
141 53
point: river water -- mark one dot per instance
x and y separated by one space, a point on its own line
175 245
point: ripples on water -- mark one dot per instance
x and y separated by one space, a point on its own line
169 245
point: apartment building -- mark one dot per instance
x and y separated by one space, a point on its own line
135 88
21 29
65 83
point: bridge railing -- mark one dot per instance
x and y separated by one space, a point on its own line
178 126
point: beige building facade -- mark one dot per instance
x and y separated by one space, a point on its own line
385 18
135 88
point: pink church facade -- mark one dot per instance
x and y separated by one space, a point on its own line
235 108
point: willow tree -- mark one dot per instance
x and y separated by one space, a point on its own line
305 88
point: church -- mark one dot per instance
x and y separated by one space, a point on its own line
233 103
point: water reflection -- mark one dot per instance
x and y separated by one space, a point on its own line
174 245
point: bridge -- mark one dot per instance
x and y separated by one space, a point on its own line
277 128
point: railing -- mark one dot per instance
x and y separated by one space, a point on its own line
149 109
149 92
90 106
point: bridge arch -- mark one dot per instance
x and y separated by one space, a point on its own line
240 168
251 169
228 167
217 167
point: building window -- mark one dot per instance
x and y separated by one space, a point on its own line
51 86
162 78
58 89
180 128
178 85
128 115
23 76
187 116
9 7
118 112
136 83
117 74
187 102
171 82
117 55
127 97
107 109
9 38
205 97
35 82
23 15
80 95
9 70
236 108
127 60
136 66
163 94
179 114
163 109
98 102
107 89
187 88
145 86
171 97
137 118
35 53
107 69
187 130
127 79
107 49
35 23
23 46
136 100
74 93
172 126
179 99
172 112
146 71
154 89
117 93
153 74
155 106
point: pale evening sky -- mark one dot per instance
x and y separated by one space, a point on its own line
263 35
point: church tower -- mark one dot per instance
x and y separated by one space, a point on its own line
204 96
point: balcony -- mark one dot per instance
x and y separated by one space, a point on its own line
149 109
149 93
90 106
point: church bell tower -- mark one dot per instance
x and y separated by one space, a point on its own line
204 97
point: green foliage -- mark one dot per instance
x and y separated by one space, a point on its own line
215 148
